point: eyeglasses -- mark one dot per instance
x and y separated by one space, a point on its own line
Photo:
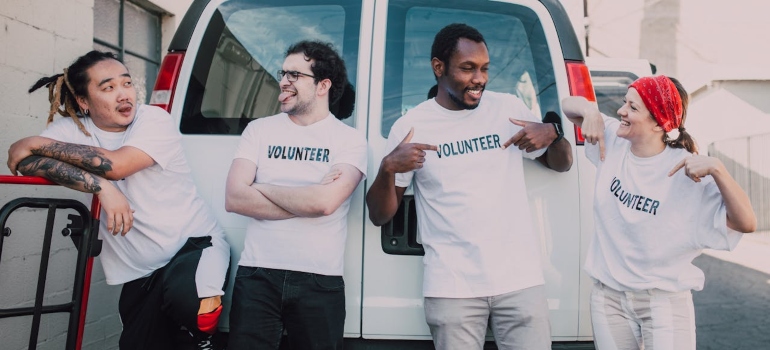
292 75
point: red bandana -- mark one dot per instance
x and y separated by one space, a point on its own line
661 98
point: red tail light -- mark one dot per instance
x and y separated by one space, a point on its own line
163 93
580 85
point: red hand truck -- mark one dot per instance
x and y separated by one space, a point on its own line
83 229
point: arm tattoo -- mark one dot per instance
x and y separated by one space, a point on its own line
60 172
88 158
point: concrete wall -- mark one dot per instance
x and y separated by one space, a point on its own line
39 38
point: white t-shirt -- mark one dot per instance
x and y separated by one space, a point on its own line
167 206
472 209
287 154
649 226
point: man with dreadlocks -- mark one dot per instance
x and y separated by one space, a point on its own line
171 255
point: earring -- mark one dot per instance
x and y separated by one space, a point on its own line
85 111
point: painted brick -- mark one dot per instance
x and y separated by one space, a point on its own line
23 271
68 50
37 57
102 301
14 332
57 329
74 20
13 96
112 328
46 14
3 38
28 227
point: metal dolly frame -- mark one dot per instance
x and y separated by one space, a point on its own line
83 230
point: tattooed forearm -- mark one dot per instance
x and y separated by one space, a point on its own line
90 159
62 173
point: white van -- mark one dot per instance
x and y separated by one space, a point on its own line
611 78
220 73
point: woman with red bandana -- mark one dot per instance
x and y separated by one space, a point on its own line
657 205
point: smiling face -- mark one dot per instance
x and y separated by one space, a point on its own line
111 99
636 122
462 80
299 97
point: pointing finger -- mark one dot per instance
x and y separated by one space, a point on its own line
520 123
678 166
426 147
408 137
516 137
601 147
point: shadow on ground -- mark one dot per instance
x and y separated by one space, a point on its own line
733 309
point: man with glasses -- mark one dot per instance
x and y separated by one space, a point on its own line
293 174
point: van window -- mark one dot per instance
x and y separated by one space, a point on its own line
611 88
520 60
234 75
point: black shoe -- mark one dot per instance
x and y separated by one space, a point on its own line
204 343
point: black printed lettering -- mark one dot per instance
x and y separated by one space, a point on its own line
646 205
633 201
654 207
295 153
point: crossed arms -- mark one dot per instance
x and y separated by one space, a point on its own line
273 202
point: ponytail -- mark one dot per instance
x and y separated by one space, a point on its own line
684 139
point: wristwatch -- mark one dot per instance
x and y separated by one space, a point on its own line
559 132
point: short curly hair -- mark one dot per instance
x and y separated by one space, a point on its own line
327 65
445 42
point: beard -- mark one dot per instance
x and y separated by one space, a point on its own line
299 108
459 102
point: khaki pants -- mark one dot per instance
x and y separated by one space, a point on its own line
519 321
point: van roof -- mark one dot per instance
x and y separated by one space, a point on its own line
570 46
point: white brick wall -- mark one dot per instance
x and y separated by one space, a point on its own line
39 38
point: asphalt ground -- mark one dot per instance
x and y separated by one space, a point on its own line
733 309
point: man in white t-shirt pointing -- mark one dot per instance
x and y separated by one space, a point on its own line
293 174
482 255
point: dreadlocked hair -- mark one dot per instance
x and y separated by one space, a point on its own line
60 94
64 88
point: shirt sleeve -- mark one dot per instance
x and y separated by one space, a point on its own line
248 145
355 152
397 134
154 132
611 126
711 230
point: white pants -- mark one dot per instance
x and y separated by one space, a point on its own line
519 321
648 320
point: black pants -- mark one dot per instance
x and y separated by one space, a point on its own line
154 308
310 307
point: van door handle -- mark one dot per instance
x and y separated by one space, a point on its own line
399 235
